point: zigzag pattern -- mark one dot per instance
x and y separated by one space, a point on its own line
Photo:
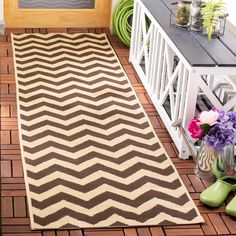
91 157
57 4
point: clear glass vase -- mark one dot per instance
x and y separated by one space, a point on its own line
196 16
212 164
183 12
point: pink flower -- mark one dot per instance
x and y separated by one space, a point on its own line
208 117
195 129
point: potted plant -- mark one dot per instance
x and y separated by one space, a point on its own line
217 132
212 12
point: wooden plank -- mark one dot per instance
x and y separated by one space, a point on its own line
15 221
5 111
183 40
7 207
130 232
229 40
19 207
49 233
183 232
17 229
17 168
63 233
218 224
104 233
76 233
216 50
230 223
208 227
6 169
22 234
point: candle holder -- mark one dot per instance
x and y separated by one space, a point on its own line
189 15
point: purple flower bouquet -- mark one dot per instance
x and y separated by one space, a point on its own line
216 128
217 131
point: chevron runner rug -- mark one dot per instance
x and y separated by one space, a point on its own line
91 157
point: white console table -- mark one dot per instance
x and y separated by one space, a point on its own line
182 72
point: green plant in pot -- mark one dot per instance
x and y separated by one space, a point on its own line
212 12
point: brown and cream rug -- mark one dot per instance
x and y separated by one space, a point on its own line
91 157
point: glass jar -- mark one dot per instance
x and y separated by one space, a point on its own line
183 12
212 164
224 163
196 16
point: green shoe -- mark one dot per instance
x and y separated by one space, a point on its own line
216 194
231 207
218 168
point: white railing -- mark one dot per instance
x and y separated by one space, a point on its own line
173 85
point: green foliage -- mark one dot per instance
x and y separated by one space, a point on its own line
211 12
205 128
182 16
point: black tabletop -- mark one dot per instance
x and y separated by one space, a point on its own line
195 47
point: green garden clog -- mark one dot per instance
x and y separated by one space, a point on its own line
218 168
216 194
231 207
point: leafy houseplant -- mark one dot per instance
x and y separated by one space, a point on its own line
212 11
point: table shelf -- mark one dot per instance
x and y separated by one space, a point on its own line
182 72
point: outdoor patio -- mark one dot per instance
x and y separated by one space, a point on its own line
14 214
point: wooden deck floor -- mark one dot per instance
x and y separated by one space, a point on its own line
15 217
